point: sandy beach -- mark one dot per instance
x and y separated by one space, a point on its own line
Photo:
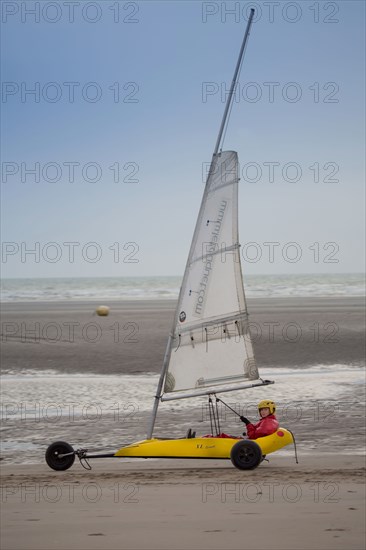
162 504
317 504
66 336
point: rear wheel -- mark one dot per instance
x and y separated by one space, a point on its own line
55 458
246 455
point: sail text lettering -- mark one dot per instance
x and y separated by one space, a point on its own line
208 258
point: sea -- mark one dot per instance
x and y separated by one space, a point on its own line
160 288
103 412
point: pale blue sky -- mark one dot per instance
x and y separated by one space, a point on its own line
169 52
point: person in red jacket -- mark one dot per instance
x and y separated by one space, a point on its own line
268 423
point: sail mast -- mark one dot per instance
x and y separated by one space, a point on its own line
219 138
234 81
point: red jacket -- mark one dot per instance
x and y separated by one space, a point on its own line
266 426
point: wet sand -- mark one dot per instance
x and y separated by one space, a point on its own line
66 336
317 504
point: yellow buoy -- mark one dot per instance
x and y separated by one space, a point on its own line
103 311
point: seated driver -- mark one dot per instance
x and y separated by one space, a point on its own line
268 423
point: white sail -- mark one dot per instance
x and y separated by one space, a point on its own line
210 345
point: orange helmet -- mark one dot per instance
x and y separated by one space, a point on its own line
271 405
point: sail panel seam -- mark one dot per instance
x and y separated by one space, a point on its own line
220 251
218 320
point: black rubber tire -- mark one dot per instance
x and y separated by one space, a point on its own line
53 460
246 455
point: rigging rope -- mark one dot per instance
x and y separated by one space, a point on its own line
293 437
218 415
228 406
213 415
209 410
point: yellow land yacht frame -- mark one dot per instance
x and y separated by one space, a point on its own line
245 454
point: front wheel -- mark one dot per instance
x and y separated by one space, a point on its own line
60 456
246 455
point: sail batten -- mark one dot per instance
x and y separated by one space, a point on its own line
214 391
222 250
220 187
217 321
